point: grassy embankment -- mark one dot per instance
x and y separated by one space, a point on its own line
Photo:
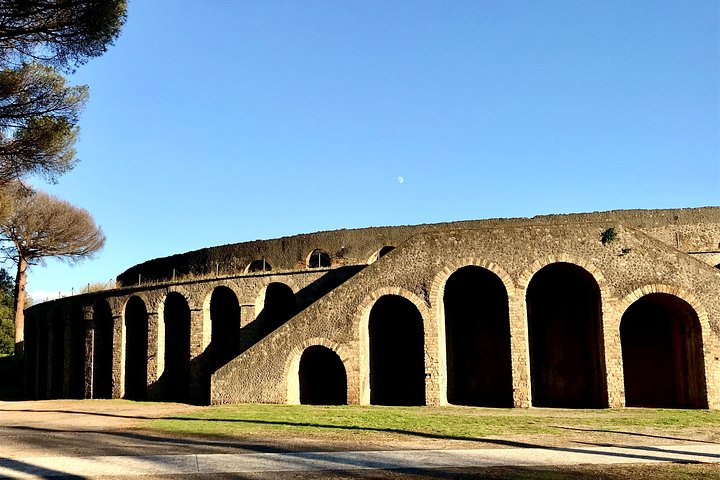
451 423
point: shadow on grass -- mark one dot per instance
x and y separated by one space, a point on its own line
634 434
655 454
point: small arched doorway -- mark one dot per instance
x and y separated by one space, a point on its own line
662 353
259 266
322 377
397 352
565 334
319 259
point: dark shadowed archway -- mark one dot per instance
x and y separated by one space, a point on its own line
477 335
136 349
397 356
57 354
319 259
278 307
662 353
77 341
175 379
102 350
323 380
225 320
42 357
259 266
565 330
31 355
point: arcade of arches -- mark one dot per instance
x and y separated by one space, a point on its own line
660 335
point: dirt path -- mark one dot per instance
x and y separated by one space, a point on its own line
51 432
98 427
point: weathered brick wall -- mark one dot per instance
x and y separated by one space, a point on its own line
690 230
632 264
650 254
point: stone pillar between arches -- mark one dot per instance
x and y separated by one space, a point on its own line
199 340
519 351
89 348
615 379
118 354
155 355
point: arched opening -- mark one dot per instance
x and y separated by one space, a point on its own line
565 330
176 377
397 352
477 335
662 353
78 336
279 306
225 320
136 349
102 350
323 380
31 355
57 354
259 266
380 253
42 363
318 259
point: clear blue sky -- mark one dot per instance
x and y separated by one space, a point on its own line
225 121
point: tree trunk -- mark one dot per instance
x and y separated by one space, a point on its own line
19 305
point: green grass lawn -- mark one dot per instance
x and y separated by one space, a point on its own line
453 423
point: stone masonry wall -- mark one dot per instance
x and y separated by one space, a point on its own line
632 265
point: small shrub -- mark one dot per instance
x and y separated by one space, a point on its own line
608 236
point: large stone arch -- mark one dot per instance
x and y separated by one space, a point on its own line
102 360
565 333
477 339
664 333
136 346
175 318
275 304
292 372
363 316
614 355
516 324
393 354
221 319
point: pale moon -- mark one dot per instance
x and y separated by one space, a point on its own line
401 179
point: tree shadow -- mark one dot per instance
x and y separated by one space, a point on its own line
634 434
25 468
655 456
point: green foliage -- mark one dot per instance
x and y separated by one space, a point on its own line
38 116
458 423
61 33
38 111
608 236
7 315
